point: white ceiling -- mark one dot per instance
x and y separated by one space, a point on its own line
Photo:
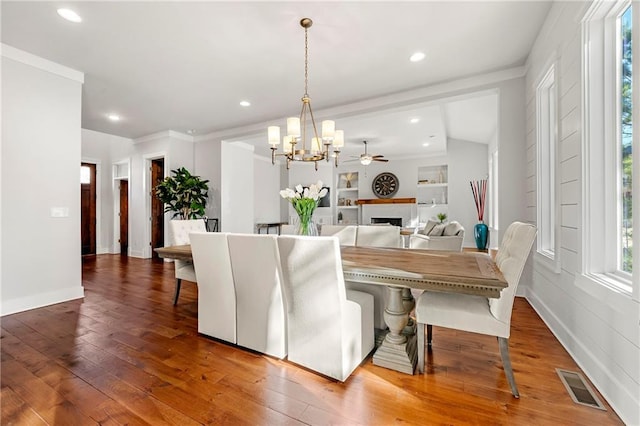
187 65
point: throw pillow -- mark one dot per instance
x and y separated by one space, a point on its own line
428 227
438 230
452 229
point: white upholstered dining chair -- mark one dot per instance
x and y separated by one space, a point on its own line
260 324
376 236
330 329
478 314
346 233
216 291
180 230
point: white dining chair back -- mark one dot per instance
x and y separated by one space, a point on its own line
346 233
511 259
330 329
288 229
378 236
216 290
179 235
255 262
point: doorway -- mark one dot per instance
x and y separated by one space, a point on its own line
157 208
88 208
124 217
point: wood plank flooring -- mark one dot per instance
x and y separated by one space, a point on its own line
126 355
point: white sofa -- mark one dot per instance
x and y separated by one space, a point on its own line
436 236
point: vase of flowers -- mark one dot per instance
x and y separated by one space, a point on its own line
304 202
480 230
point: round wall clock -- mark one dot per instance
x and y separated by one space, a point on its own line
385 185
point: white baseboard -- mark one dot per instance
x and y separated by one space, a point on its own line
39 300
589 363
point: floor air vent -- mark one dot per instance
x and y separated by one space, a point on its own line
580 391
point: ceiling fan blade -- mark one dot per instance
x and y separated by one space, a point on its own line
377 156
349 161
381 159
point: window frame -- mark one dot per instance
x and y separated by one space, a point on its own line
600 118
547 191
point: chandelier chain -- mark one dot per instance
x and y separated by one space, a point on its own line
306 62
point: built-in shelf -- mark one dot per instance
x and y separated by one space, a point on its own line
429 205
432 185
347 193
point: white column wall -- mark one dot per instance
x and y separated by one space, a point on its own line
266 187
41 111
236 188
597 326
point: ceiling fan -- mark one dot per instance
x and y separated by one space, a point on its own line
366 158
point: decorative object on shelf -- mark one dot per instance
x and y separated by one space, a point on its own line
297 126
348 177
340 201
442 217
347 202
480 230
183 194
339 217
304 202
385 185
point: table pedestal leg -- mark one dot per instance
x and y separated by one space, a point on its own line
409 303
398 351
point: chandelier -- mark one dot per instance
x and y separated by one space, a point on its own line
297 126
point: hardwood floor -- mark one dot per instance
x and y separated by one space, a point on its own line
126 355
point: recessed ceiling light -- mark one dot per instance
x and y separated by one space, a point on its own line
425 144
417 57
113 117
245 103
414 120
69 15
191 131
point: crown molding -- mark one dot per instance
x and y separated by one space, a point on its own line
170 134
26 58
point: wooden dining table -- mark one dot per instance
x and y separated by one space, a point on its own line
400 270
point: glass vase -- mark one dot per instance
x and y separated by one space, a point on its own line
481 234
306 226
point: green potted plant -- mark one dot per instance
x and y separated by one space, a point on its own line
442 217
183 194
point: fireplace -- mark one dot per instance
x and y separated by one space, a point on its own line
397 221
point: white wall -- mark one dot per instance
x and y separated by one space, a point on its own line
467 162
597 326
266 189
40 254
236 188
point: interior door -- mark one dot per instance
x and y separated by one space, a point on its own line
157 208
88 208
124 217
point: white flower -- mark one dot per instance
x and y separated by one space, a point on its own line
299 188
323 192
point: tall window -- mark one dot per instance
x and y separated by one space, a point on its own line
608 142
625 162
546 160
